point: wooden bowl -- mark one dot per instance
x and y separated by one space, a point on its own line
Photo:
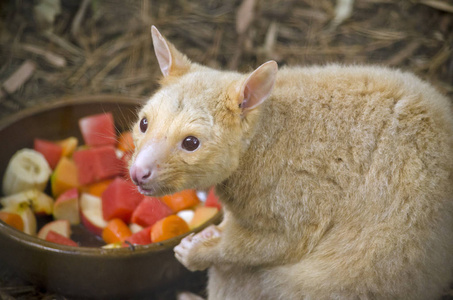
84 272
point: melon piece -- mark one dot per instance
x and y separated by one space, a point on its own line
68 145
120 199
212 200
51 151
97 163
142 237
66 207
98 129
65 177
201 215
149 211
57 238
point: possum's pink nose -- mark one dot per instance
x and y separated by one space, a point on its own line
140 174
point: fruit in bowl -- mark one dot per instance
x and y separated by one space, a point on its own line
87 184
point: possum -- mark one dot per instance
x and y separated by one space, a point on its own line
336 181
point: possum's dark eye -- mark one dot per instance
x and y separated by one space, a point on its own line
190 143
143 124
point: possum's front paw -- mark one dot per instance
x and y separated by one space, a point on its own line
194 250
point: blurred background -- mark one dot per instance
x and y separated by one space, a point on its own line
55 48
51 49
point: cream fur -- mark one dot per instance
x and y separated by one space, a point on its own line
339 186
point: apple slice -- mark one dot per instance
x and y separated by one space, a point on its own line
41 203
67 207
28 217
91 213
62 227
57 238
135 228
186 215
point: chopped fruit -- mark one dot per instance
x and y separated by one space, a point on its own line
125 142
182 200
57 238
65 177
201 215
168 228
149 211
116 231
97 163
98 129
51 151
120 199
12 219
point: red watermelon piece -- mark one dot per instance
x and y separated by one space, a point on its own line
143 237
120 199
57 238
51 151
98 129
97 163
212 200
149 211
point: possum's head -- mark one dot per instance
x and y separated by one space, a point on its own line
193 131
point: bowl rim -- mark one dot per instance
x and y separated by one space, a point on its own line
33 241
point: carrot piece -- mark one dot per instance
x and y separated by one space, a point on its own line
182 200
167 228
97 188
12 219
116 231
125 142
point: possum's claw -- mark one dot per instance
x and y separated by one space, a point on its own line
193 250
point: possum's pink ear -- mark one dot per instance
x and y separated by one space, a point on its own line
171 61
258 86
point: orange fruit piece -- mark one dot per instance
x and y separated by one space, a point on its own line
12 219
182 200
116 231
167 228
97 188
126 142
64 177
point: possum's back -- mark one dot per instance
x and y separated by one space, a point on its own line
364 155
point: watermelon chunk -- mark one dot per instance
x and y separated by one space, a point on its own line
212 200
143 237
57 238
52 152
120 199
98 129
97 163
149 211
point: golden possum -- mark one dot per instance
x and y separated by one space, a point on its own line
337 182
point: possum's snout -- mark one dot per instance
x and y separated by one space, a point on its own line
143 170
